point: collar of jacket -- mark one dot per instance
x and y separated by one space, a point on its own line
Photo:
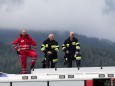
73 38
26 36
49 40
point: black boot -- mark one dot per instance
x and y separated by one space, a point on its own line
32 67
78 62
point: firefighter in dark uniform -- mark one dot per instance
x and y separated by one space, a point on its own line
71 47
50 48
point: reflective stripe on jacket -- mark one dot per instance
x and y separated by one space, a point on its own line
71 45
48 45
23 42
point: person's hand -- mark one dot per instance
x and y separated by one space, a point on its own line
34 48
49 52
18 51
76 53
67 51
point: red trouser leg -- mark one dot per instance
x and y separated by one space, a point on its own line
32 54
23 59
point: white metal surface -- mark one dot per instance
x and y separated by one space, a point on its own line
50 74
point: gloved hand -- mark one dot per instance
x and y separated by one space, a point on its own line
34 48
18 51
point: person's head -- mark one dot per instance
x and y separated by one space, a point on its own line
72 34
24 32
51 37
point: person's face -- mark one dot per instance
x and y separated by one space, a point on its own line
24 32
51 38
72 35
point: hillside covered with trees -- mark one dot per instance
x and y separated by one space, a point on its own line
95 52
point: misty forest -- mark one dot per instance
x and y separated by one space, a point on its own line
95 52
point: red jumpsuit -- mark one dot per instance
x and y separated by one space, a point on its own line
24 44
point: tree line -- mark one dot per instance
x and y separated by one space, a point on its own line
94 52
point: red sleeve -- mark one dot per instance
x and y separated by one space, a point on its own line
15 42
32 41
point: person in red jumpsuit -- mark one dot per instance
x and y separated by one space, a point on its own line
23 47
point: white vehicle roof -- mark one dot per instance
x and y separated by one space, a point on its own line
59 74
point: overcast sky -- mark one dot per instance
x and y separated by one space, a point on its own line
93 18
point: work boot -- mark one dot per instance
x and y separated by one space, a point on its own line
78 62
32 67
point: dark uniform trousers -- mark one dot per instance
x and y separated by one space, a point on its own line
50 59
73 48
